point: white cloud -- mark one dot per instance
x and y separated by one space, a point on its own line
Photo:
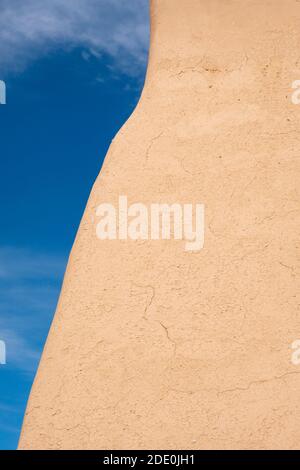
31 28
29 288
19 352
18 263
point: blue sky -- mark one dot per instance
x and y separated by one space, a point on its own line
74 70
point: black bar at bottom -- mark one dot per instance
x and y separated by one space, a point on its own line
151 458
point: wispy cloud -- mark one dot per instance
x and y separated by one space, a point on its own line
20 353
21 264
32 28
29 287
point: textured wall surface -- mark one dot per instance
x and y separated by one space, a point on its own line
155 347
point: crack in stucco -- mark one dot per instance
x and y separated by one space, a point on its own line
174 345
152 141
235 389
152 296
257 382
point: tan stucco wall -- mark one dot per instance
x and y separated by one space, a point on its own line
153 347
